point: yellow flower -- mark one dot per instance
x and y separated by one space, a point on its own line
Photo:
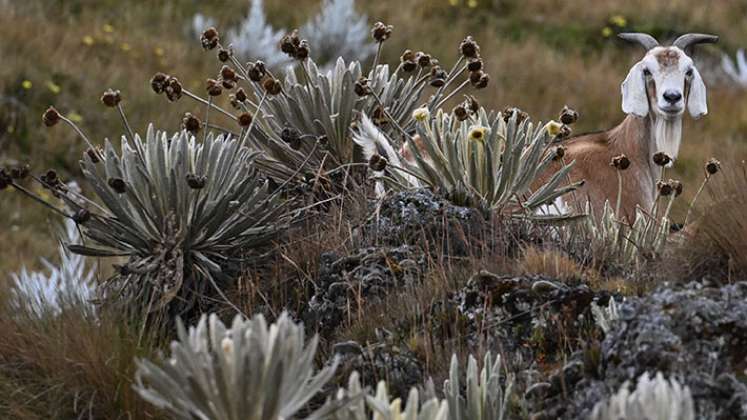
108 28
477 133
607 32
472 4
454 2
619 21
125 47
88 40
26 84
53 87
74 117
421 114
158 51
553 128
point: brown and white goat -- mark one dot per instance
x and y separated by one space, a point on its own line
654 95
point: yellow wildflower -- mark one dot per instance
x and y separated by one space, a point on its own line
472 4
125 47
607 32
53 87
88 40
26 84
454 2
421 114
108 28
158 51
619 21
553 128
477 133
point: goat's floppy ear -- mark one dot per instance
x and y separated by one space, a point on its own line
634 97
696 101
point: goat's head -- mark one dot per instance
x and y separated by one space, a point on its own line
666 79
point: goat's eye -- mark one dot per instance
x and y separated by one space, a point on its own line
689 73
647 72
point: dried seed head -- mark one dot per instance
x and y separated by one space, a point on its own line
93 155
712 166
51 117
438 76
409 66
196 182
302 51
664 188
677 187
173 89
191 123
50 176
240 95
290 135
565 132
117 184
483 82
20 172
509 112
377 163
224 55
111 98
257 71
469 48
245 119
568 116
474 64
290 42
661 159
474 77
423 59
272 86
381 32
227 73
460 112
228 84
213 87
407 55
559 152
361 87
209 39
620 162
81 216
158 82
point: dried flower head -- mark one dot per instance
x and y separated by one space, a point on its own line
227 73
472 104
213 87
423 59
191 123
474 64
477 133
438 76
661 159
51 117
409 66
712 166
272 86
20 171
209 38
469 48
257 71
408 55
381 32
664 188
81 216
245 119
303 50
558 153
240 95
460 112
158 82
111 98
224 55
421 114
196 182
568 116
377 163
173 89
228 84
509 112
292 137
677 187
361 87
117 184
620 162
483 82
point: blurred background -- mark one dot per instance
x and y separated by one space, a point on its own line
540 54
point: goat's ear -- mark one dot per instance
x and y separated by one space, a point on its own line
634 96
696 101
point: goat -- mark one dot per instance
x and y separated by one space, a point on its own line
654 95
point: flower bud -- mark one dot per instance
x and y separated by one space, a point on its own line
664 188
257 71
469 48
559 152
224 55
568 116
381 32
241 95
158 82
272 86
191 123
111 98
209 39
377 163
620 162
245 119
474 64
712 166
661 159
460 113
423 59
51 117
213 87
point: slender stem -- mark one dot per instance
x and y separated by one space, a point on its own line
80 133
695 198
251 125
209 104
619 193
306 74
669 206
451 95
207 114
38 199
378 55
124 121
220 128
386 113
573 192
300 168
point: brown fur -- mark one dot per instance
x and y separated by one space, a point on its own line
593 153
668 58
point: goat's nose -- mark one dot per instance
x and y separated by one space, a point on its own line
672 96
